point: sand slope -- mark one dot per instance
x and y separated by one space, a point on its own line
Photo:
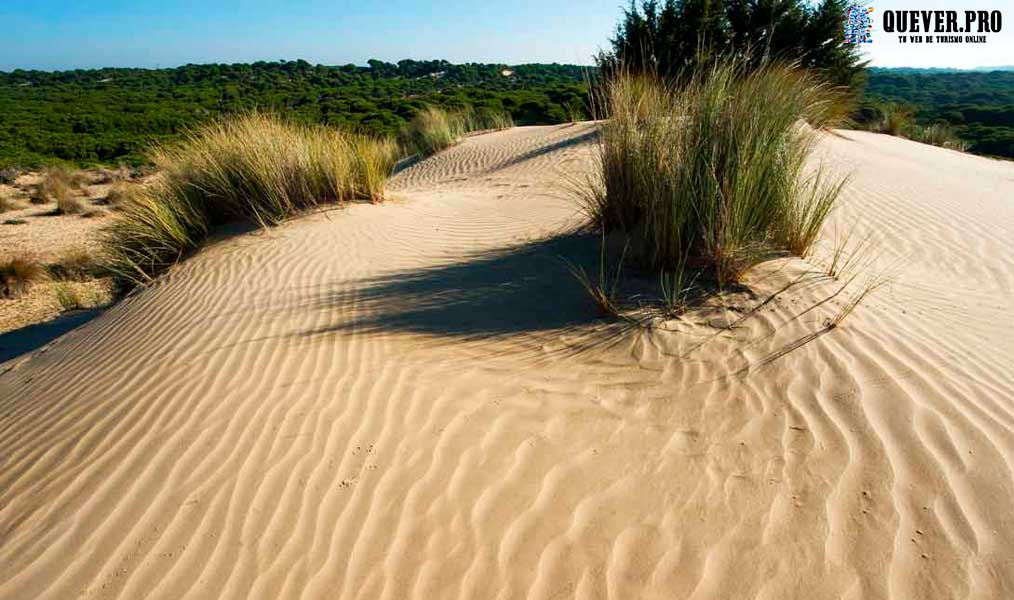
412 400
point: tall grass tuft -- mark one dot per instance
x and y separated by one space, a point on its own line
712 172
255 168
434 129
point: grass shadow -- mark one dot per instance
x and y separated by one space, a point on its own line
28 339
513 291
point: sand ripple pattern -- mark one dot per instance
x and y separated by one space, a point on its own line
409 401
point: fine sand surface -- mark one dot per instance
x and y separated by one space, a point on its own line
414 401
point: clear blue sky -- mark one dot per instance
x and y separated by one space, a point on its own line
47 34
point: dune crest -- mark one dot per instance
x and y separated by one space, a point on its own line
414 400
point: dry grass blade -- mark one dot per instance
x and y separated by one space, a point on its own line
873 283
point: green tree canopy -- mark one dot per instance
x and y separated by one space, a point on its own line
669 36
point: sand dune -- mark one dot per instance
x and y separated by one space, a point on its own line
413 400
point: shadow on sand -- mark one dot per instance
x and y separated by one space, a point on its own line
28 339
511 291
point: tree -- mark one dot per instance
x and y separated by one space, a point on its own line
669 37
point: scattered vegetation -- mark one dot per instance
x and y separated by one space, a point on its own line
898 120
254 168
710 173
19 273
974 108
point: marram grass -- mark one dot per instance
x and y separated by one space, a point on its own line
255 168
434 129
712 171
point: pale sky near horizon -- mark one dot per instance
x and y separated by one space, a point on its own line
52 35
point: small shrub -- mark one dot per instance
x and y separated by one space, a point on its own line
254 168
19 273
57 185
9 175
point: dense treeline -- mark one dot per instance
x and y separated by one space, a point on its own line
979 106
111 115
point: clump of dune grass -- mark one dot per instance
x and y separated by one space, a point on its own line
252 168
712 172
19 273
433 129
